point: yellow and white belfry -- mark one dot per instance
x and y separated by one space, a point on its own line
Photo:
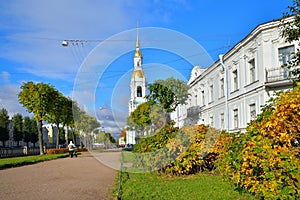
138 79
137 88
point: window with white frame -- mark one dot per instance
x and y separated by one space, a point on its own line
235 79
252 70
202 97
222 119
211 121
222 93
285 56
235 118
211 93
252 108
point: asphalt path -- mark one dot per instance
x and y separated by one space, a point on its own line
89 176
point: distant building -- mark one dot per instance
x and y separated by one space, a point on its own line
231 92
49 135
121 141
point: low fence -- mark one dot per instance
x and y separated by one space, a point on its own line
21 151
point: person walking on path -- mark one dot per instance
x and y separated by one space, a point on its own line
71 147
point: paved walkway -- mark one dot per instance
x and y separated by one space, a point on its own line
84 177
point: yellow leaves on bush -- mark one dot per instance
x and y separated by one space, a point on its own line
264 160
199 141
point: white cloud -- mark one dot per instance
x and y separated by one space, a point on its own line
36 29
5 77
32 32
9 96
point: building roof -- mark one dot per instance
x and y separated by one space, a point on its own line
138 74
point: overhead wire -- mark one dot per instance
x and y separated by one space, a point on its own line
79 52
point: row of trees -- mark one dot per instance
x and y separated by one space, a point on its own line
24 129
48 104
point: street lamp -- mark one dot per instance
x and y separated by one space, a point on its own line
225 69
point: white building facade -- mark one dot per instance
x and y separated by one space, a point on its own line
231 92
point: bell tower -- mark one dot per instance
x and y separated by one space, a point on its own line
138 79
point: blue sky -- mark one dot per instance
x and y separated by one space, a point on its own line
32 31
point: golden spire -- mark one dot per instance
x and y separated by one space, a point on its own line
137 44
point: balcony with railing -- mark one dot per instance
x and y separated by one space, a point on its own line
193 111
193 114
277 74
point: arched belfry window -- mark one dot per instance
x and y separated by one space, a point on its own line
139 91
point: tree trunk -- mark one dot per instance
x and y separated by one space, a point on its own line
80 141
57 135
73 136
40 131
67 136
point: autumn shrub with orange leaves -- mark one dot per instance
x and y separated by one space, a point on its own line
63 150
178 152
198 155
265 160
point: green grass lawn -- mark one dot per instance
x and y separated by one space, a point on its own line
202 186
160 187
26 160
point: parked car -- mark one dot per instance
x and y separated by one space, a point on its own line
128 147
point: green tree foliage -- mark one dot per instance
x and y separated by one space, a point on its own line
105 138
140 117
111 139
151 152
61 113
4 122
18 128
34 136
38 99
84 124
61 136
54 115
27 129
100 138
168 93
67 119
30 130
291 32
158 117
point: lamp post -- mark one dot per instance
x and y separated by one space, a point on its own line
224 68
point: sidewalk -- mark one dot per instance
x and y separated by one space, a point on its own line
83 177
